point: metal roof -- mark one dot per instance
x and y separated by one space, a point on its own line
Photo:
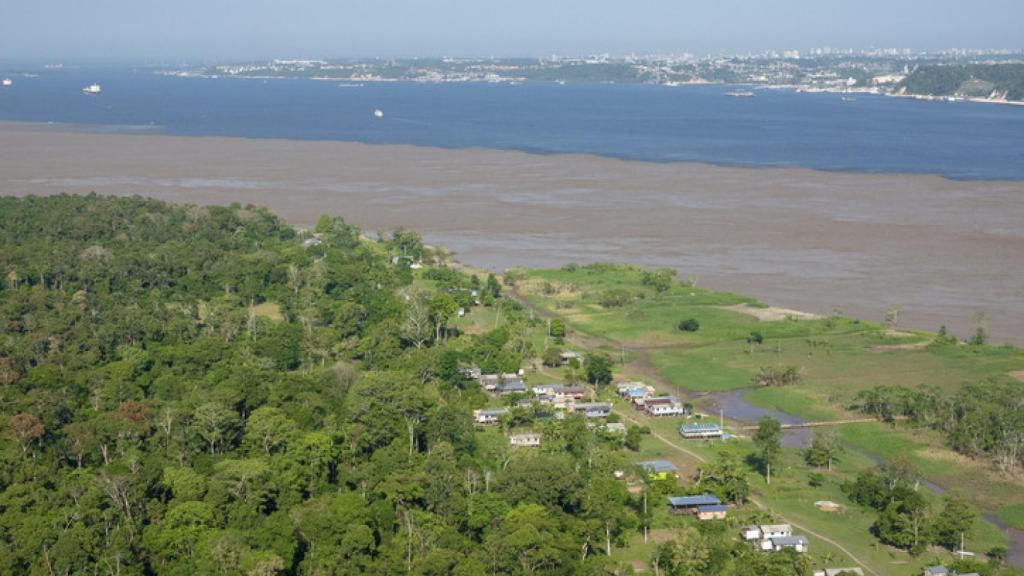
692 501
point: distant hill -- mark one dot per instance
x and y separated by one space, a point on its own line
1000 81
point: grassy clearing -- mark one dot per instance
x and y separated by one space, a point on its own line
1013 515
269 310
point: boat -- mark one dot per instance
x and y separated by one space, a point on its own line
378 113
7 82
849 99
92 89
740 94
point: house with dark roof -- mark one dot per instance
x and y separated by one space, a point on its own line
797 543
592 409
691 504
712 512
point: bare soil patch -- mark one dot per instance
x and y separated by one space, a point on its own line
771 313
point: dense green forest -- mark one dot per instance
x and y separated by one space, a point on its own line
979 80
189 390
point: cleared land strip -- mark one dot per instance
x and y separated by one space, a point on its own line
818 424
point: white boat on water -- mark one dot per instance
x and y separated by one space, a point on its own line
740 94
7 82
378 113
92 89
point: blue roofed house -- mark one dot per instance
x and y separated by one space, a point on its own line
691 504
712 512
936 571
700 430
660 469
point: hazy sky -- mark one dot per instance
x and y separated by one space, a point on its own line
142 30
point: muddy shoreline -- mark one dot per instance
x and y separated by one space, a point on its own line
942 250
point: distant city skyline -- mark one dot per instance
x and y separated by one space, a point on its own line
198 30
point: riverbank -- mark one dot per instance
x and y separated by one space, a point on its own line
941 250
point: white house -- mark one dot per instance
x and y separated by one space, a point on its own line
837 571
489 416
528 439
798 543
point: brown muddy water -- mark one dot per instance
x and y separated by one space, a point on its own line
943 251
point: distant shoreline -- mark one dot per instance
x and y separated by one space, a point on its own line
793 237
804 89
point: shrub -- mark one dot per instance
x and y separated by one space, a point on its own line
689 325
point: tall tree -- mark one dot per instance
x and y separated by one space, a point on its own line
768 440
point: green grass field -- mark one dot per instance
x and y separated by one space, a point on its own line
836 357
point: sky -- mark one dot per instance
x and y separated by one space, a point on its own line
221 30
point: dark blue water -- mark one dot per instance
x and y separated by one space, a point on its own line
656 123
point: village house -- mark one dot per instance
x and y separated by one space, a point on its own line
712 512
691 504
797 543
503 384
838 571
936 571
764 534
664 406
592 409
700 430
557 394
527 439
766 531
634 390
659 469
487 416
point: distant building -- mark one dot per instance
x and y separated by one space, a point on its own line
708 430
503 384
659 469
838 571
558 392
527 439
936 571
489 416
712 512
593 409
664 406
797 543
766 531
690 504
